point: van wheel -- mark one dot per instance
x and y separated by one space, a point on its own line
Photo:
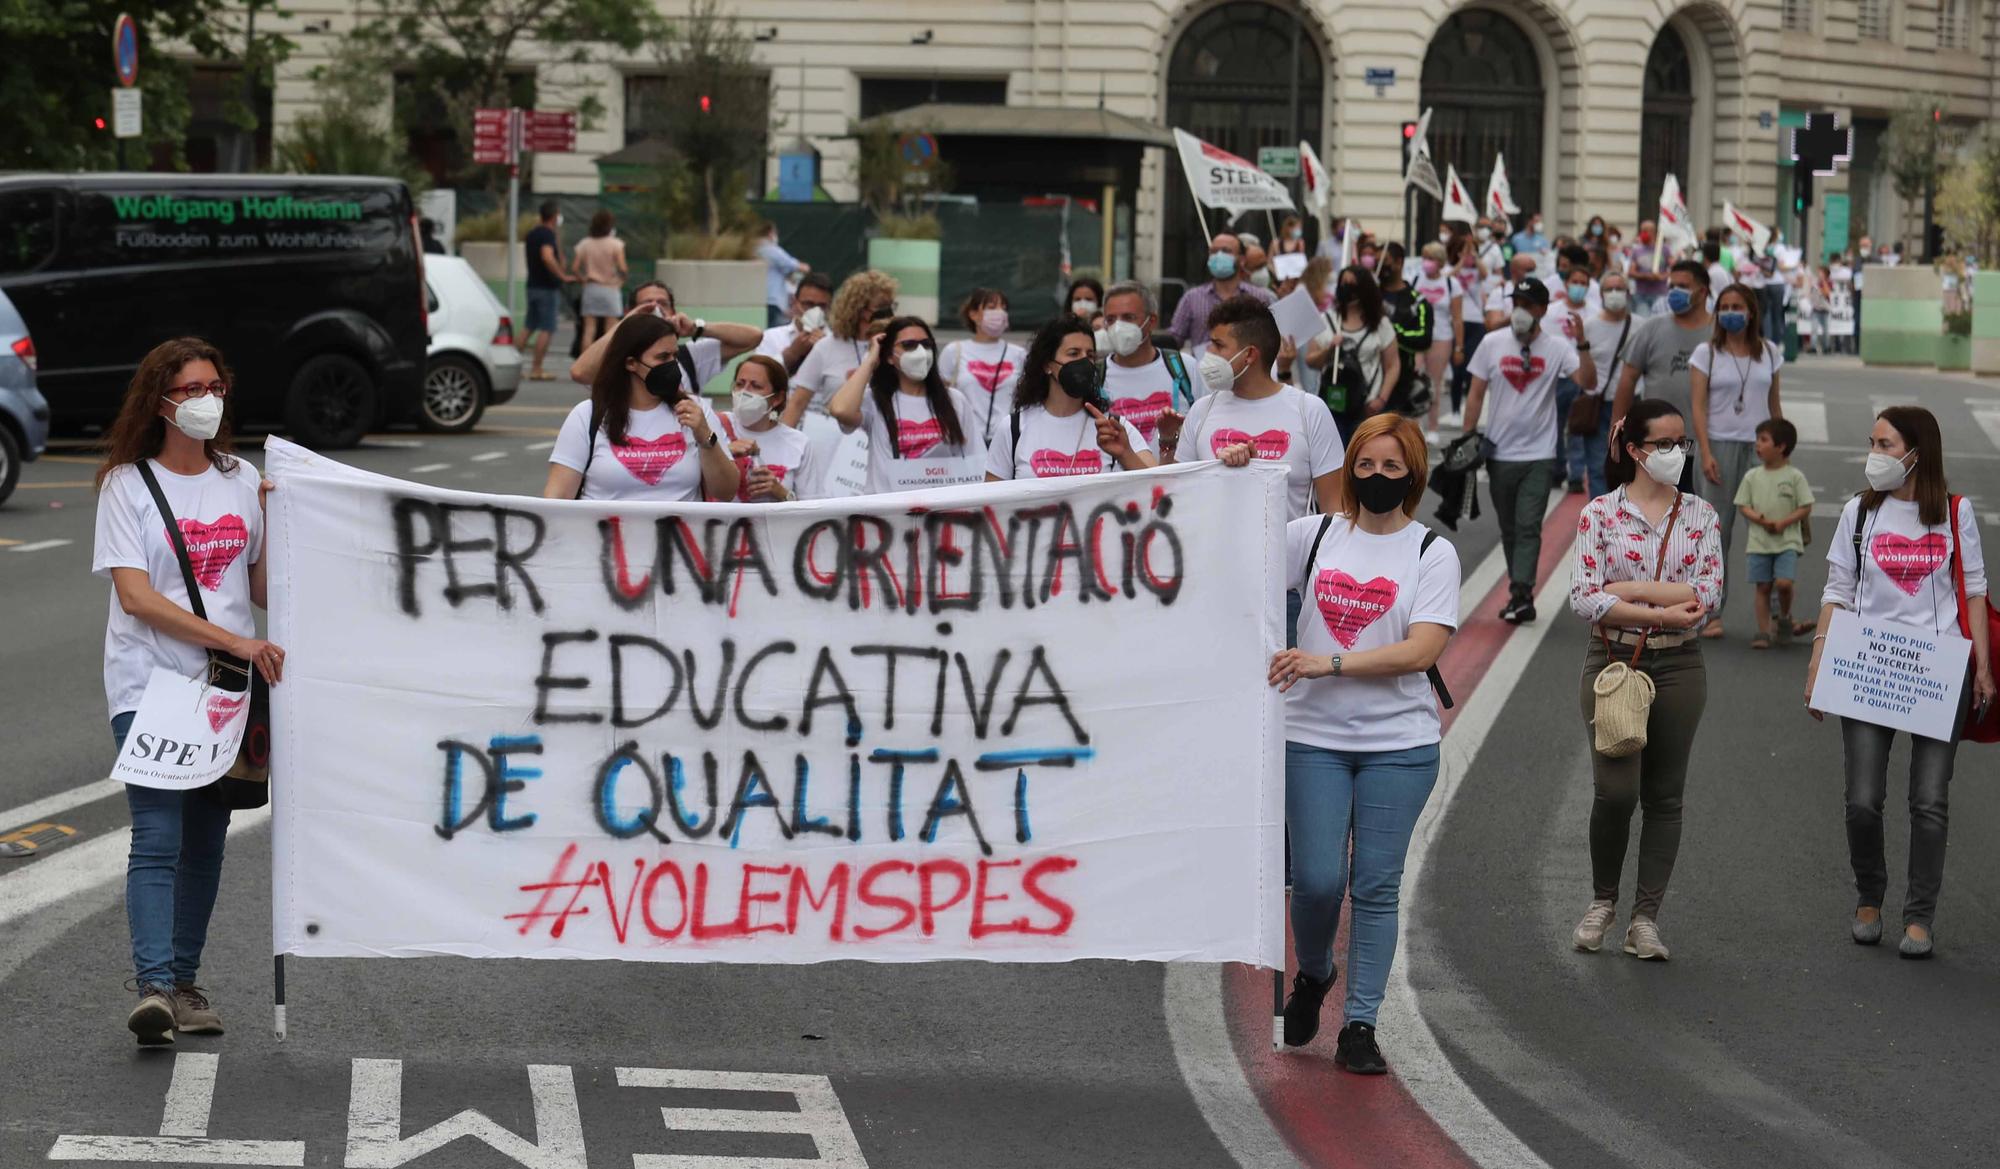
331 403
10 463
454 395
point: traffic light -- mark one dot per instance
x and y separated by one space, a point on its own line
704 103
1409 139
98 122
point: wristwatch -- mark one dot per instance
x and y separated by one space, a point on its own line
1336 665
700 327
714 439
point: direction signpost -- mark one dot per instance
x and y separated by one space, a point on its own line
498 138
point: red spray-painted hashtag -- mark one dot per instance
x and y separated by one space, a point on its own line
549 889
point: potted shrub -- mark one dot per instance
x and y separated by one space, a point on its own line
482 242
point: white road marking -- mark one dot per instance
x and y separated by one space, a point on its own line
427 468
81 867
392 444
819 1116
1808 416
39 546
375 1121
183 1138
1989 421
59 803
540 446
1214 1076
489 456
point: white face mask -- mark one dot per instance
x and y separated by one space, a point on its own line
1125 338
750 406
1102 339
1885 472
994 321
1523 322
1616 300
1261 278
812 320
1083 306
1218 373
199 418
916 363
1484 234
1666 466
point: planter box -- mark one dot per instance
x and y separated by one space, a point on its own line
1954 352
1986 323
1902 316
914 264
716 290
489 259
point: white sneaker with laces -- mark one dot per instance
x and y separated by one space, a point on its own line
1589 936
1642 940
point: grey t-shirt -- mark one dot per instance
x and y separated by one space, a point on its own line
1659 350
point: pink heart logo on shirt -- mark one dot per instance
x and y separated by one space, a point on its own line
1522 374
1272 444
1349 606
917 438
1143 413
1055 464
212 548
222 708
649 459
1905 561
989 374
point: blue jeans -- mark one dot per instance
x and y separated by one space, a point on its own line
1595 448
1377 796
1294 604
171 876
1571 461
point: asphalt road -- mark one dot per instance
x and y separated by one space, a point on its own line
1769 1038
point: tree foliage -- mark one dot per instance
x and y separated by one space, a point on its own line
716 114
1968 201
1917 144
345 133
59 74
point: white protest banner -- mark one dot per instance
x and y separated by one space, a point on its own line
185 734
1458 205
1220 179
1499 194
1892 675
1011 722
1758 234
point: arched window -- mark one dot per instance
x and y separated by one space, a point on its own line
1243 75
1667 121
1484 82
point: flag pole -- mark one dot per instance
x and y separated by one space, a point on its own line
1195 195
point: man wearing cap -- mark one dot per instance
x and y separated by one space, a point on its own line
1522 364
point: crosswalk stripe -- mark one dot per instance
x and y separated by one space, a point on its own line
427 468
489 456
39 545
1989 421
1809 417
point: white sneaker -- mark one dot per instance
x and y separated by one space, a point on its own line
1589 936
1642 940
1431 437
1452 418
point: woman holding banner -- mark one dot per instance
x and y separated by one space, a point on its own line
1894 557
1362 726
1061 423
180 534
631 438
897 386
773 459
861 307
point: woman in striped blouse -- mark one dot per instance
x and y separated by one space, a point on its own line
1648 572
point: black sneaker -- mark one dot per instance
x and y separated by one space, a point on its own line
1520 608
1302 1009
1356 1051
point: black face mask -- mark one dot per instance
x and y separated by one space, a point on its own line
1079 379
1381 494
663 381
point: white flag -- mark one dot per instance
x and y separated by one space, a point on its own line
1348 234
1318 184
1458 204
1757 233
1423 173
1500 196
1676 230
1220 179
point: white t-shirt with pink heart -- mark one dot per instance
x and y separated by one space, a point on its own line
1052 447
1141 393
223 527
1290 427
986 373
658 461
1364 592
1519 416
1440 291
1905 572
783 450
920 436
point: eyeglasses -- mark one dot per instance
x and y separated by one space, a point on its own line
911 345
1662 446
196 389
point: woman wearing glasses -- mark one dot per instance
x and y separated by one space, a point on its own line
1648 568
917 435
171 442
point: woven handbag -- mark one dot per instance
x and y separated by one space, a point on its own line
1623 702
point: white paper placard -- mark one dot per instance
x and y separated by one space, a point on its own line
1892 675
185 735
1288 265
895 728
1298 318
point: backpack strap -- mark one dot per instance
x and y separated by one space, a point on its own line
589 446
1013 448
1436 677
685 355
174 534
1177 370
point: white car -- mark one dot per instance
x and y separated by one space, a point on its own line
473 363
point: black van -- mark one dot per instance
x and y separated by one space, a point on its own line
311 286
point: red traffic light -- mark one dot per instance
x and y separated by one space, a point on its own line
1409 130
704 103
99 123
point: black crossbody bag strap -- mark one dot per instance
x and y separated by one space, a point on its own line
174 533
589 448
